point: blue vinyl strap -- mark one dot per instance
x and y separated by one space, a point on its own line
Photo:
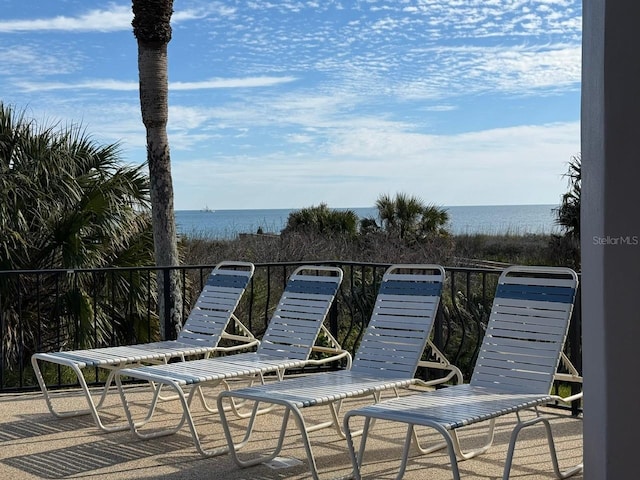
310 286
406 287
540 293
224 280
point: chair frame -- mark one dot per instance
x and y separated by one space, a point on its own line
516 368
387 359
200 336
287 344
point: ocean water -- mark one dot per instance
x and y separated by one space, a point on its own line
494 219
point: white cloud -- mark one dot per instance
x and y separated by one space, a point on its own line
523 70
112 19
27 59
124 86
250 82
501 166
117 17
98 84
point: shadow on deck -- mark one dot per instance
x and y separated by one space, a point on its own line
34 444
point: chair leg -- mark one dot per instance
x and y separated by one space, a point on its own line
135 425
552 449
334 410
186 417
186 404
233 447
289 410
92 407
234 405
405 451
307 443
462 455
450 442
357 459
473 453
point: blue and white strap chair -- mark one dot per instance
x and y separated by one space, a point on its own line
387 358
288 342
201 334
515 371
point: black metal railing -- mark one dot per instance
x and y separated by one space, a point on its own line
51 310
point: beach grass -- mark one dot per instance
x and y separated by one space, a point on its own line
449 250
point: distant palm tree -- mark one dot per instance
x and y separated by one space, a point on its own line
566 247
152 29
322 219
433 220
387 212
67 202
408 217
568 214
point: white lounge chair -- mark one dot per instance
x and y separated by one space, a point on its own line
200 336
515 371
387 358
287 343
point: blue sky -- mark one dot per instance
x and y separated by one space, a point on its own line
287 104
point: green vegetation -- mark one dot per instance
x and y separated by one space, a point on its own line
406 217
451 250
406 231
567 245
67 202
322 220
569 211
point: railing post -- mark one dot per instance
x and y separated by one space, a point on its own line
3 367
333 318
437 328
169 331
575 352
438 325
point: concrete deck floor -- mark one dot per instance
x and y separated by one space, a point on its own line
34 444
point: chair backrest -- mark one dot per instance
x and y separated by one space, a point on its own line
301 311
527 328
401 322
216 304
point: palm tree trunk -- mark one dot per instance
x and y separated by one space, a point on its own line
152 29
